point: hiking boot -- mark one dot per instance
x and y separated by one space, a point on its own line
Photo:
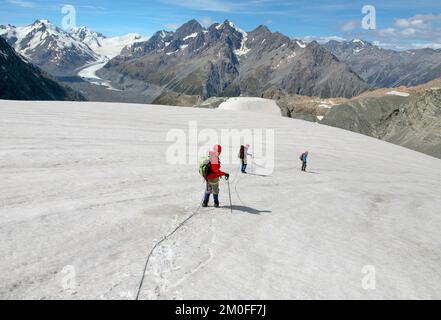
204 204
216 204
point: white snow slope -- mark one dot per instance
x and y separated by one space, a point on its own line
111 47
85 194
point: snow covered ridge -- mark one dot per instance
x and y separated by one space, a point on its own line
97 46
111 47
106 47
301 44
256 105
243 50
84 198
358 41
193 35
398 93
30 38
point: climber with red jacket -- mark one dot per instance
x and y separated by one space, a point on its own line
213 173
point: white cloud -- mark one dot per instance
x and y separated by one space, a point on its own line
388 32
402 23
419 21
322 39
409 46
421 29
418 31
426 45
22 3
409 32
349 25
172 26
206 22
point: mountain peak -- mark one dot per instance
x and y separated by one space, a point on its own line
314 44
358 41
161 34
44 25
84 33
42 22
262 29
82 28
8 26
229 23
189 27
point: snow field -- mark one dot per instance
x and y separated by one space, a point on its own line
257 105
86 185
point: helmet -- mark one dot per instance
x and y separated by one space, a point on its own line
217 148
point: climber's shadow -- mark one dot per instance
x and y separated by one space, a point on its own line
247 210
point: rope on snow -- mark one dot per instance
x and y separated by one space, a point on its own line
166 237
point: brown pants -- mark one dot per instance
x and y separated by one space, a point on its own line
213 186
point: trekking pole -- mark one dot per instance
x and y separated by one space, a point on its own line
229 192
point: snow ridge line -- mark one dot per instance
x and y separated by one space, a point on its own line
166 237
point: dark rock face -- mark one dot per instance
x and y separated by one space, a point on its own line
20 80
388 68
226 61
413 122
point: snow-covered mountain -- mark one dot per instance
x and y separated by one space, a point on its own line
87 193
63 53
49 47
223 60
87 36
106 47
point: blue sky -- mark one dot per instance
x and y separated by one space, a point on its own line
400 23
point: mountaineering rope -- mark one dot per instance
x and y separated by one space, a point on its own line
236 183
237 193
166 237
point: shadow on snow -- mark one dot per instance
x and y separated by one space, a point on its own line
247 209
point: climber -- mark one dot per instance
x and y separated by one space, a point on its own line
210 170
304 159
243 156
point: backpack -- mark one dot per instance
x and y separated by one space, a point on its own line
204 167
301 157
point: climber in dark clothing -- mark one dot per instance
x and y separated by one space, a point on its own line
304 159
243 156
